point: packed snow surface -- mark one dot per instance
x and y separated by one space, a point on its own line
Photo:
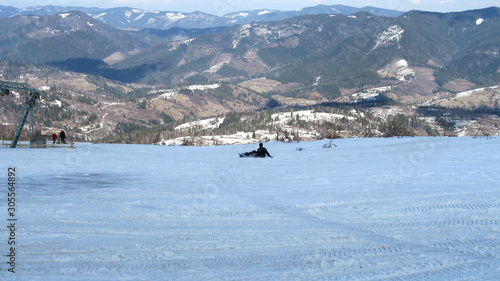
365 209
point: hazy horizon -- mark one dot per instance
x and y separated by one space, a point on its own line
223 7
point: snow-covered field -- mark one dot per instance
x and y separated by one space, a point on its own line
368 209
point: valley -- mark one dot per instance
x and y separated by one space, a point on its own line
373 76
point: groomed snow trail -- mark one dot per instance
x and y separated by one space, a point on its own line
368 209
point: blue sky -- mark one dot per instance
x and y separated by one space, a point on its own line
221 7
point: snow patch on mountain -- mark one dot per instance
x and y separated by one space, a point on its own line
369 94
317 81
100 16
139 17
242 33
175 16
398 69
264 12
203 87
479 21
392 34
277 32
308 116
469 93
164 94
176 45
489 94
151 21
218 66
473 92
206 124
242 14
189 41
265 33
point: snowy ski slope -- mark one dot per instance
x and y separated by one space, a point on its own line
368 209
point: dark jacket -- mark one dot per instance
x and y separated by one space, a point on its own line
262 152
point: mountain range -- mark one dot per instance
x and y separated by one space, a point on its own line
328 53
131 18
173 75
71 35
340 51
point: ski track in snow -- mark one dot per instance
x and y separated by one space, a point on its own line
368 209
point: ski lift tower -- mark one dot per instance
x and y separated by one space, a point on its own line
33 95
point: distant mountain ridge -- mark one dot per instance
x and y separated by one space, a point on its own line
409 58
331 52
323 53
131 18
69 35
274 15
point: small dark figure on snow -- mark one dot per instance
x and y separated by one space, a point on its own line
261 152
62 136
54 137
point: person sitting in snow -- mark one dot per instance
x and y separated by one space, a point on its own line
260 152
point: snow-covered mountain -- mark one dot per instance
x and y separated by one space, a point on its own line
65 36
243 17
131 18
141 19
